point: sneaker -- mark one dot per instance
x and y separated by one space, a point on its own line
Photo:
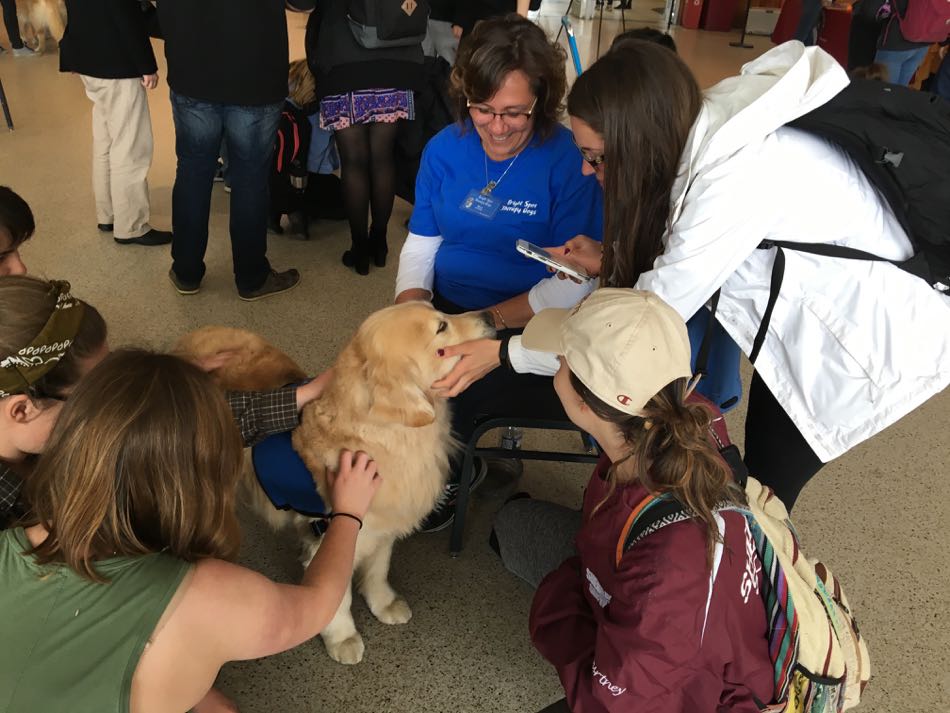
227 187
219 173
275 283
24 51
444 513
105 227
152 237
184 288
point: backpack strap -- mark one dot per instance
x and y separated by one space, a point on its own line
651 514
702 358
778 275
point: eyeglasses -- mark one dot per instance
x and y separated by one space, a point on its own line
483 115
594 160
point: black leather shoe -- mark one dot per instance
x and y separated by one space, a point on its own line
105 227
152 237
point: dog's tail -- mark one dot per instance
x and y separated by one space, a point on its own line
239 360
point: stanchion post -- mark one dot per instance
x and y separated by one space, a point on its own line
745 23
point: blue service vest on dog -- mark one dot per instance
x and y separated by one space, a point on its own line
284 477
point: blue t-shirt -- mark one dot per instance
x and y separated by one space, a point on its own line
544 199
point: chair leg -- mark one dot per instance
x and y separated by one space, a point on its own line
6 108
461 502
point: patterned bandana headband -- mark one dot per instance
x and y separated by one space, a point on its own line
20 371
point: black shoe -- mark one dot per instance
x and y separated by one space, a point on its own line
184 288
444 513
275 283
379 249
152 237
105 227
357 256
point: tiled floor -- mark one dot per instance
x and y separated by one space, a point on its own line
878 516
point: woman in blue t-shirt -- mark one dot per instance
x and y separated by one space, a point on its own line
507 171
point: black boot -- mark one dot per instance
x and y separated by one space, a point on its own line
378 247
357 256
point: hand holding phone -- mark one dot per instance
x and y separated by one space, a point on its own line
538 253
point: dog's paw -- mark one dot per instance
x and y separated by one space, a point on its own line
348 651
396 612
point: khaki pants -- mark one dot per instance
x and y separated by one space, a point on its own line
121 153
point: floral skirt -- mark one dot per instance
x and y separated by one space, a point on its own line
366 106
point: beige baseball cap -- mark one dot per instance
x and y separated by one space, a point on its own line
624 345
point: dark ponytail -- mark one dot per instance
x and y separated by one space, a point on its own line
670 452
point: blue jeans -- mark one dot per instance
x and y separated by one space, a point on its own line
811 12
250 132
901 64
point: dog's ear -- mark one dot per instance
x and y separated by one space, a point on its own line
397 398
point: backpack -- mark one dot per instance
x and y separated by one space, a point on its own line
900 139
388 23
926 21
820 661
292 147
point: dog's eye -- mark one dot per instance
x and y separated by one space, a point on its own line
443 325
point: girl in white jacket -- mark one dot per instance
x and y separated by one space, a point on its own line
694 182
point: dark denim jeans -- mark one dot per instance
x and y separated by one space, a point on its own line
811 13
250 132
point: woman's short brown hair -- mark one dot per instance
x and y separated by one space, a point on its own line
502 45
28 303
144 458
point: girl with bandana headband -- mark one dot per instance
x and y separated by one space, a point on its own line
48 341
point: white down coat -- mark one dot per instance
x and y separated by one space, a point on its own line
852 345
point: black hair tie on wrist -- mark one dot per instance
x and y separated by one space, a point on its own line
503 353
346 514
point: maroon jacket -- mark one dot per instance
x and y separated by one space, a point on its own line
654 634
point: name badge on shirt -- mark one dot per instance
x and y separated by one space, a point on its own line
482 204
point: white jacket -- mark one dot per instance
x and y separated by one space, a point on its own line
852 345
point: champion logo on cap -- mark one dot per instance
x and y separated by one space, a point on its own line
624 399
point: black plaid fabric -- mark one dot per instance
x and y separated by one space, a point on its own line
10 486
259 414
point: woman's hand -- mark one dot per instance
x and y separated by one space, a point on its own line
313 389
580 252
150 81
354 485
416 294
457 31
479 357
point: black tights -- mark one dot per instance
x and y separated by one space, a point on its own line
11 22
368 173
776 453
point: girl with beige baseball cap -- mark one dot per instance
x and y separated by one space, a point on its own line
671 624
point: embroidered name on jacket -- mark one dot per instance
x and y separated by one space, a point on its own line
604 681
597 591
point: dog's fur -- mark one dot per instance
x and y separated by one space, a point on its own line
379 401
39 17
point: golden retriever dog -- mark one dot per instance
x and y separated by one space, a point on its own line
379 401
39 17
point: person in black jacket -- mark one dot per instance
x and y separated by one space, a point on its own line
107 44
227 69
363 93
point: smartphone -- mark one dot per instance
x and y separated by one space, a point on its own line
535 253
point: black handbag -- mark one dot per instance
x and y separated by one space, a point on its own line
388 23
